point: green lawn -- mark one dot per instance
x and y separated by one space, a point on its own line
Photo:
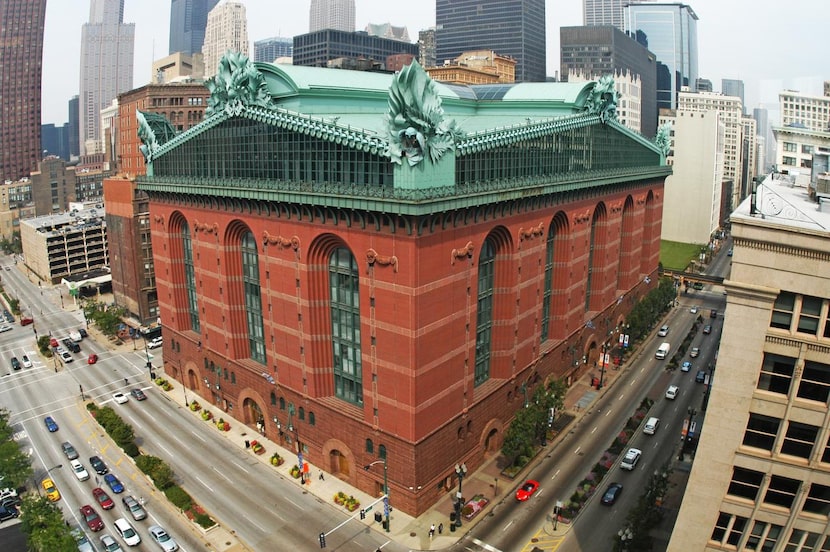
676 255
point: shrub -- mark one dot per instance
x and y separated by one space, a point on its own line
204 520
131 449
178 497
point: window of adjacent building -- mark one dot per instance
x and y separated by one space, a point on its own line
761 431
344 283
382 452
808 319
253 299
790 147
815 382
781 491
785 160
782 311
745 483
484 316
763 537
799 440
370 446
803 541
190 278
818 500
776 373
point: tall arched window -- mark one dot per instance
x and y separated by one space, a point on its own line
253 298
345 326
190 278
591 246
484 319
546 295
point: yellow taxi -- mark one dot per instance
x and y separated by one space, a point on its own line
51 491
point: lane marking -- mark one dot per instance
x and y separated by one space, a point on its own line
240 467
506 527
594 430
484 545
555 474
222 474
198 436
205 484
577 450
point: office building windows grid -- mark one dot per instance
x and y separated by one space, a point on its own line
761 431
776 373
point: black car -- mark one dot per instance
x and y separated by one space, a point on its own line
98 465
7 511
612 494
707 329
71 345
701 376
83 332
8 316
138 394
15 364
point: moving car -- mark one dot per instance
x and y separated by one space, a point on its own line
80 539
686 366
71 345
98 465
15 363
76 336
707 329
700 377
5 328
80 470
694 309
526 490
651 426
93 358
103 498
26 362
91 517
50 424
126 532
109 544
612 493
51 491
65 356
713 313
664 331
120 398
697 285
135 509
629 461
69 450
695 352
161 538
729 253
26 320
114 484
138 394
155 342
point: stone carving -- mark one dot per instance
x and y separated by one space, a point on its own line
237 83
415 121
531 232
579 218
663 138
616 207
205 227
602 99
149 144
159 219
384 260
466 251
293 242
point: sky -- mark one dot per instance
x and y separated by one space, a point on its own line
770 48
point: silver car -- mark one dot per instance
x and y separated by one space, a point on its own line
135 509
161 538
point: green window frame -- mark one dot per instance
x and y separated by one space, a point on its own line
190 278
484 316
253 297
344 288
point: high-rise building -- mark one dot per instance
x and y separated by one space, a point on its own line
106 67
331 14
805 127
733 87
21 61
426 47
387 30
55 140
704 85
600 50
761 473
761 116
603 12
227 30
669 30
322 48
74 127
269 49
514 28
188 20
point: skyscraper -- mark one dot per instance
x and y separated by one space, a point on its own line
74 129
331 14
734 87
106 66
21 59
603 12
514 28
188 19
269 49
669 30
226 30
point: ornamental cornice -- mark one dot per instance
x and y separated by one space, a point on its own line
783 249
499 137
280 241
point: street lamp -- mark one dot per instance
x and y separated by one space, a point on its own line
460 471
296 438
602 365
385 488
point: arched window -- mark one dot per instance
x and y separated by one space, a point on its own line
282 403
370 446
311 419
253 298
345 326
302 413
484 319
548 282
382 451
233 377
190 278
273 399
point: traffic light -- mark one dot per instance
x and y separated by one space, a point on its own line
322 540
362 513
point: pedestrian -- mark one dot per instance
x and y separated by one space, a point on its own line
440 528
125 381
321 478
431 530
247 444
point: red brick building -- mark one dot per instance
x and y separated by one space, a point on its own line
373 267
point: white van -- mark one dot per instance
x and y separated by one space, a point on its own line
651 426
663 350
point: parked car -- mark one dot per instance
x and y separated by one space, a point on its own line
8 316
9 496
126 532
91 517
612 493
51 491
83 332
15 363
526 491
110 544
713 313
729 253
79 470
69 450
75 336
26 362
71 345
700 377
113 483
135 509
138 394
8 511
161 538
155 342
51 425
82 541
629 461
26 320
103 498
98 465
65 356
5 328
694 309
697 285
53 342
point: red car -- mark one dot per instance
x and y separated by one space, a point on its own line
103 498
526 491
26 320
53 342
93 520
93 358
